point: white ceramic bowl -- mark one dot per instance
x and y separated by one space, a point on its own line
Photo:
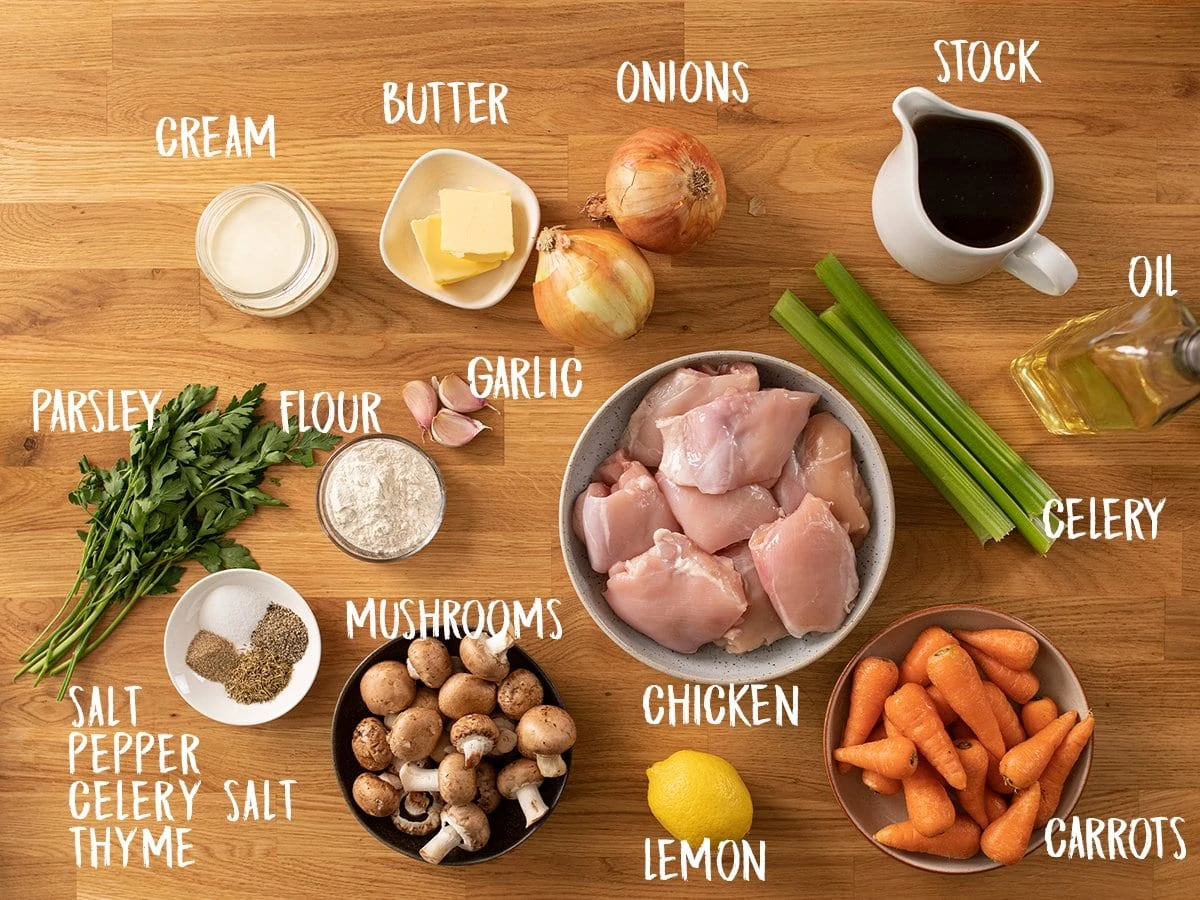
869 811
417 197
712 664
208 697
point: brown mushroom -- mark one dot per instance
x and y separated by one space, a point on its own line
426 697
370 744
507 742
475 736
429 662
453 779
486 657
463 826
415 734
375 796
487 796
386 688
519 781
545 733
464 693
443 748
418 818
520 692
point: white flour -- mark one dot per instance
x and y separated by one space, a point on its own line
383 497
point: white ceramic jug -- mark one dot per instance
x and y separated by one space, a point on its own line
913 241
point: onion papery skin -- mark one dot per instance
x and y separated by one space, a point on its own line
665 190
593 287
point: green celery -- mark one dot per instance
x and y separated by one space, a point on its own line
840 323
1018 478
979 511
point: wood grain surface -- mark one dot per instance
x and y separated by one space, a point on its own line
99 289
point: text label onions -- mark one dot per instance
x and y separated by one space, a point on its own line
664 190
593 287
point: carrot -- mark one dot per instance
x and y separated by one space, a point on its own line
995 804
1016 649
960 841
930 808
880 784
1006 716
1024 763
874 679
1007 839
1060 766
893 757
975 764
995 781
911 711
944 710
889 728
955 675
1037 714
927 643
1019 687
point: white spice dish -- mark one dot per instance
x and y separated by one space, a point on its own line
417 197
209 697
380 498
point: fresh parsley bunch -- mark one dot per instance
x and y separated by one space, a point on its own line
189 479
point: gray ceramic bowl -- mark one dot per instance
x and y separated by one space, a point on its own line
869 811
712 664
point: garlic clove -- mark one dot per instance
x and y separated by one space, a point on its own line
453 429
455 394
422 401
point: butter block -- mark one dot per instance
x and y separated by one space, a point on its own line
477 224
444 268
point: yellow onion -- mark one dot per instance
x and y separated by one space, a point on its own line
593 287
664 190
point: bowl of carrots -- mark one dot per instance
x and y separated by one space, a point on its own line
954 735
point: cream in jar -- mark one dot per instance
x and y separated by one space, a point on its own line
265 249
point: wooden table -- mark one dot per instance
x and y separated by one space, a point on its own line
100 289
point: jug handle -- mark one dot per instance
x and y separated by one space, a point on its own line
1042 265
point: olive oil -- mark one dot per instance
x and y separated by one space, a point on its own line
1131 367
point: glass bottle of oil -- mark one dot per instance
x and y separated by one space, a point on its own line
1131 367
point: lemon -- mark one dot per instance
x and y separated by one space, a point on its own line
697 795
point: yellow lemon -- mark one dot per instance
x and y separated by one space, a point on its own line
697 795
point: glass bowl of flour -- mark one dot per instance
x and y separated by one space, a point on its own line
380 498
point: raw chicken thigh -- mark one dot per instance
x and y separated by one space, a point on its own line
714 521
676 594
822 464
760 625
674 395
807 567
617 522
735 440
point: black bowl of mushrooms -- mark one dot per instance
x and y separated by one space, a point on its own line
452 751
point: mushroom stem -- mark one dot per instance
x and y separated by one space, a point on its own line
532 803
414 778
475 748
498 643
442 843
552 766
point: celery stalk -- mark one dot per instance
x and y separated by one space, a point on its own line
1006 465
979 511
840 323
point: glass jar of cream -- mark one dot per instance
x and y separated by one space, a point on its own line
266 249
